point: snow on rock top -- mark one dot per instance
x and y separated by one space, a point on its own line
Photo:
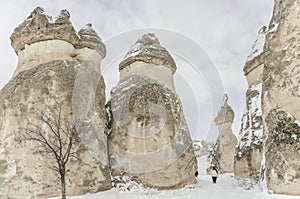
135 50
88 30
148 40
258 45
39 27
148 49
90 38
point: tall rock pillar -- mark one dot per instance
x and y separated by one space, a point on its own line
226 141
149 138
52 57
248 156
281 99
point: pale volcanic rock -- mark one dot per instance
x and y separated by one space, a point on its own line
40 80
270 131
148 49
40 39
281 99
248 156
149 137
226 141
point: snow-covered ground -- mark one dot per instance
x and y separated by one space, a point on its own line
224 189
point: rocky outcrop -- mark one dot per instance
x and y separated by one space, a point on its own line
56 73
148 50
202 147
149 137
282 153
269 137
40 39
226 141
248 156
281 99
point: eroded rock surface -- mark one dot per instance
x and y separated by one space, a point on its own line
149 138
36 88
226 141
281 99
248 156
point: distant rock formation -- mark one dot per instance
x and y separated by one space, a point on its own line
51 57
226 141
248 156
281 99
202 147
149 137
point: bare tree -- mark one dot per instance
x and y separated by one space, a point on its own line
57 137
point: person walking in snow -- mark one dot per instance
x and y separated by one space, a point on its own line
214 174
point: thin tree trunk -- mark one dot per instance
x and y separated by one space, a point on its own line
63 185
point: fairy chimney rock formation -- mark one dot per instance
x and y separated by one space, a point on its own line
40 39
149 137
281 99
148 58
55 65
226 141
248 156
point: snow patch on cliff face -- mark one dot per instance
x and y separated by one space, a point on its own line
258 46
251 129
147 41
297 122
135 50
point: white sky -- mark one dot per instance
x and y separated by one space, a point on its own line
225 29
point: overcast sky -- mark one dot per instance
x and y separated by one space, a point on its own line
224 29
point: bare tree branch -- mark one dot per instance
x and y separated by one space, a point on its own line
56 137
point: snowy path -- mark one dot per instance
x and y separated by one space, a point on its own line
224 189
204 189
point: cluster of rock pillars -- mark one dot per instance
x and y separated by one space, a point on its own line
141 131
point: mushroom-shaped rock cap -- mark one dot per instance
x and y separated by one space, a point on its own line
89 38
225 114
41 27
148 49
63 17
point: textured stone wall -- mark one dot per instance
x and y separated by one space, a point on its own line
149 137
281 99
26 172
248 156
248 153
